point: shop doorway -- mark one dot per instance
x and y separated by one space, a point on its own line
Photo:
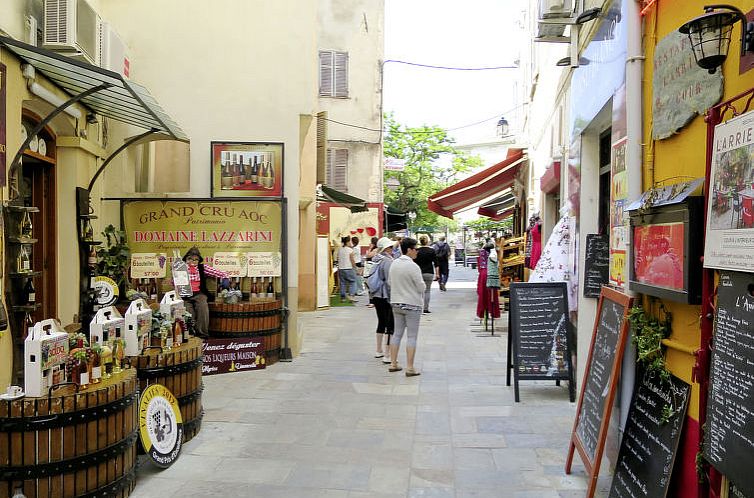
603 223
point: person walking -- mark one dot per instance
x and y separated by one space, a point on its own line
406 286
358 266
379 291
442 251
346 272
426 258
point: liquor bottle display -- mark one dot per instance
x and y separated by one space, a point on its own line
87 232
247 172
254 170
25 229
23 263
226 176
96 364
270 172
270 289
254 294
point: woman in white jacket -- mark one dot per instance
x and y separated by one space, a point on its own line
407 299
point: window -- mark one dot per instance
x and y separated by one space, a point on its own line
333 73
337 169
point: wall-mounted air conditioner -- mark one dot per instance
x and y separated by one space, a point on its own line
72 28
113 53
555 8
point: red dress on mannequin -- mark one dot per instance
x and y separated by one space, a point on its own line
536 245
487 299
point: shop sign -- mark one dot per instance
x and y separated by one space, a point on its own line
160 425
3 123
730 211
229 262
148 265
394 164
264 264
172 227
618 218
232 355
680 88
106 290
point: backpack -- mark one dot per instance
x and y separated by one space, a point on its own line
374 280
442 250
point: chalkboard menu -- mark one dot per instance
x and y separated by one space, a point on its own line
539 331
600 379
647 452
729 439
596 264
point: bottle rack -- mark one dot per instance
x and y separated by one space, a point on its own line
87 293
511 257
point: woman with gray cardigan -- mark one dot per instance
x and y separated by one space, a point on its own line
406 297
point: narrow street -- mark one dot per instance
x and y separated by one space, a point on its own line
335 423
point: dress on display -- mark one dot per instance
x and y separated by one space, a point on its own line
487 299
536 245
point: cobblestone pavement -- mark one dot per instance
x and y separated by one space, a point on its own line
335 423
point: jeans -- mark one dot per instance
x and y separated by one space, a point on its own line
428 279
444 271
408 320
347 276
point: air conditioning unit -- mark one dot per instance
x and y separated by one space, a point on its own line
71 27
555 8
113 53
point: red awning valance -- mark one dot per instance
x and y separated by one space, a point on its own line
550 180
478 187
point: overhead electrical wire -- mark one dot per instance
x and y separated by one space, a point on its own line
430 66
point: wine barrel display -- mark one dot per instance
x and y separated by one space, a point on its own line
180 370
71 443
259 320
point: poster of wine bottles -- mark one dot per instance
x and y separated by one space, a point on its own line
247 169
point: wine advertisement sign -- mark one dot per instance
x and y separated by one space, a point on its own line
160 425
729 244
148 265
231 263
247 169
232 355
264 264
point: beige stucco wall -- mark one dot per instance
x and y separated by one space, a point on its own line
356 27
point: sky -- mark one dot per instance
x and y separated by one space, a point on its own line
452 33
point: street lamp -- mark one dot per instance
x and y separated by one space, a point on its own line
710 35
502 127
411 218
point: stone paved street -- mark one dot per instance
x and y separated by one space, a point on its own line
335 423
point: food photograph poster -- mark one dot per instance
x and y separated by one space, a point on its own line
730 216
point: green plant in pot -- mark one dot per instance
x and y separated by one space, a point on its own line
113 259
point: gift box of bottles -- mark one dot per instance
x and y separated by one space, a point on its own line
172 306
106 326
45 354
138 319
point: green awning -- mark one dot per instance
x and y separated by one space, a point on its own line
329 194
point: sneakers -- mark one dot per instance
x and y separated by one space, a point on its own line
386 359
377 354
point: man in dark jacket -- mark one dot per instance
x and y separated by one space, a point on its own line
442 253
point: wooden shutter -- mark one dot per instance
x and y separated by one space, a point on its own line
337 169
322 164
341 74
326 64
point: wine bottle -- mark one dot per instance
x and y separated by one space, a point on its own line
262 170
254 170
270 172
29 293
106 357
23 264
225 174
87 232
18 492
254 294
247 173
91 261
28 325
177 334
25 228
153 292
271 289
96 364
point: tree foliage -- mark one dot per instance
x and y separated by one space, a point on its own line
432 164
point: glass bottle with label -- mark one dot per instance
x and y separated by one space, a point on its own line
177 334
226 177
254 294
23 264
270 172
271 289
254 170
106 358
25 229
91 261
87 231
247 172
95 362
30 294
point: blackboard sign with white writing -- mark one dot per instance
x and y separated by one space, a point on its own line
539 330
650 439
596 264
729 439
600 379
734 492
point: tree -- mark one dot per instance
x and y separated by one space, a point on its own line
431 164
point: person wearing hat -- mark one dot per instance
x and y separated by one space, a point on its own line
197 303
379 291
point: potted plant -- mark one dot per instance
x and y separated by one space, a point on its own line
113 259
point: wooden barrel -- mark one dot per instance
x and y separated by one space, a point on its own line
260 320
72 444
180 370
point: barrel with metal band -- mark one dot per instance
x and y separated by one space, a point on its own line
180 370
72 443
260 320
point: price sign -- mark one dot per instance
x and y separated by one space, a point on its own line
264 264
148 265
230 262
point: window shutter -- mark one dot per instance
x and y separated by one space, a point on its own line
325 73
337 169
322 156
341 74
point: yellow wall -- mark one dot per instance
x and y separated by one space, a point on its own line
683 155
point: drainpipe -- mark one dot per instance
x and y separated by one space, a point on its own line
634 69
45 94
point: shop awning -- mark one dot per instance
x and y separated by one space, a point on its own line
122 100
479 187
496 208
329 194
394 220
550 179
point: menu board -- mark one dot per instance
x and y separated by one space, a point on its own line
650 441
539 329
729 438
600 379
596 264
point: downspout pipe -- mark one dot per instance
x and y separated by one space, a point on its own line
634 73
45 94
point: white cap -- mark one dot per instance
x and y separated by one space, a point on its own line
384 242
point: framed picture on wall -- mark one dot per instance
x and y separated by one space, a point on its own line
247 169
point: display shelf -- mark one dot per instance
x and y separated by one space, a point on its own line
28 153
88 216
26 308
91 242
24 274
22 240
21 209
